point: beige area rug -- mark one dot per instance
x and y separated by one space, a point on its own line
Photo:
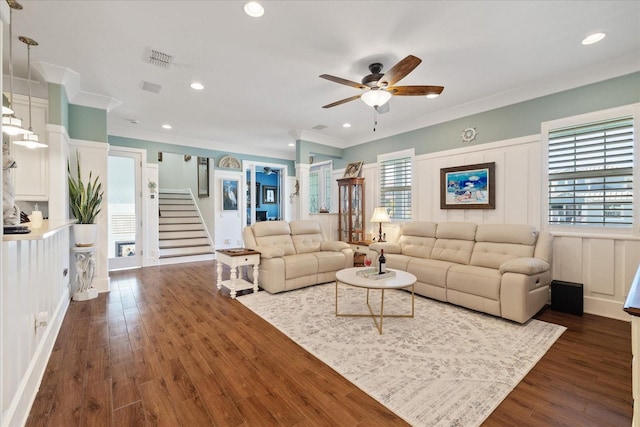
448 366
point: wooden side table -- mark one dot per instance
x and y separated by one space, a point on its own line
234 258
360 251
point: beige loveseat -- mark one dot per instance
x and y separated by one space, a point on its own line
295 254
499 269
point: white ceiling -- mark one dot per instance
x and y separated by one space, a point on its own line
261 74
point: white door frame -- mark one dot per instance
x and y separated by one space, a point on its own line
250 166
121 263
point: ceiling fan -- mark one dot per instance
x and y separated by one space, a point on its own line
268 171
379 87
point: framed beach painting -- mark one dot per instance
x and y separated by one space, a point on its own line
229 194
468 187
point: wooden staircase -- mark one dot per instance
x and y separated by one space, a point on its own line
183 235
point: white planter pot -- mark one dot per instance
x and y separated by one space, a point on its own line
85 234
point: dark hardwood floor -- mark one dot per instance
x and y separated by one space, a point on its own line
166 348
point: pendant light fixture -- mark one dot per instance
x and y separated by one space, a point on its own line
29 140
12 125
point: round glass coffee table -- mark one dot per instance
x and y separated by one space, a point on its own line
401 280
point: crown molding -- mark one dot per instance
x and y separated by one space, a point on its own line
70 81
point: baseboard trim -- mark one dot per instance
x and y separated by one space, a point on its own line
18 411
605 308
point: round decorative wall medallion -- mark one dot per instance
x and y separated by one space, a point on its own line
469 134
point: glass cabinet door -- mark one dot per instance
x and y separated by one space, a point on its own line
351 209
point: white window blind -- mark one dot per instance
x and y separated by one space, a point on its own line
591 174
395 187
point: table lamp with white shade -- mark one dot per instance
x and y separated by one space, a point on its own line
380 215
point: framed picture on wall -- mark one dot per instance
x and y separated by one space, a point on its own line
468 187
353 170
229 194
269 194
203 177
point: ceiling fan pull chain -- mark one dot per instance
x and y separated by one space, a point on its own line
375 117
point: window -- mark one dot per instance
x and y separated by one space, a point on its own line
395 184
590 169
320 187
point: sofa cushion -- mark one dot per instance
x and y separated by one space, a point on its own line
429 271
456 230
492 255
397 261
507 233
329 261
455 242
480 281
300 265
274 233
417 238
306 236
497 243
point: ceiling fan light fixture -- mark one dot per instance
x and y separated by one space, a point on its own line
375 98
254 9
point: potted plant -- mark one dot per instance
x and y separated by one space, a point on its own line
84 201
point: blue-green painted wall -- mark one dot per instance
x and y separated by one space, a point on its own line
87 123
508 122
58 105
153 148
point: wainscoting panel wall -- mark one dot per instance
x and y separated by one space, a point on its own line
605 264
33 281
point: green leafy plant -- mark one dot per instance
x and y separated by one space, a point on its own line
84 200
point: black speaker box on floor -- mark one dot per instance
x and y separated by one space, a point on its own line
567 297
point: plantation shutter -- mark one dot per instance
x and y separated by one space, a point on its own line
395 187
591 174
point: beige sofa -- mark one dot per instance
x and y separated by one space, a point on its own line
295 254
499 269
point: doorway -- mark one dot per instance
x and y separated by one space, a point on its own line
125 207
265 187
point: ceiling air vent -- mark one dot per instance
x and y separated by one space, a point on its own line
150 87
319 127
159 59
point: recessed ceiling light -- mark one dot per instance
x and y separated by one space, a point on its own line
197 86
593 38
254 9
292 144
166 126
433 95
346 125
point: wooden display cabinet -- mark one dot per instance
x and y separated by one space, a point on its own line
351 209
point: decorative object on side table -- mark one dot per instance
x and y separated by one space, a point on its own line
380 215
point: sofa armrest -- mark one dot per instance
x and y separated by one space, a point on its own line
528 266
270 252
333 245
388 247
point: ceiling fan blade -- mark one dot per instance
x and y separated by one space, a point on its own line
415 90
398 71
343 81
342 101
